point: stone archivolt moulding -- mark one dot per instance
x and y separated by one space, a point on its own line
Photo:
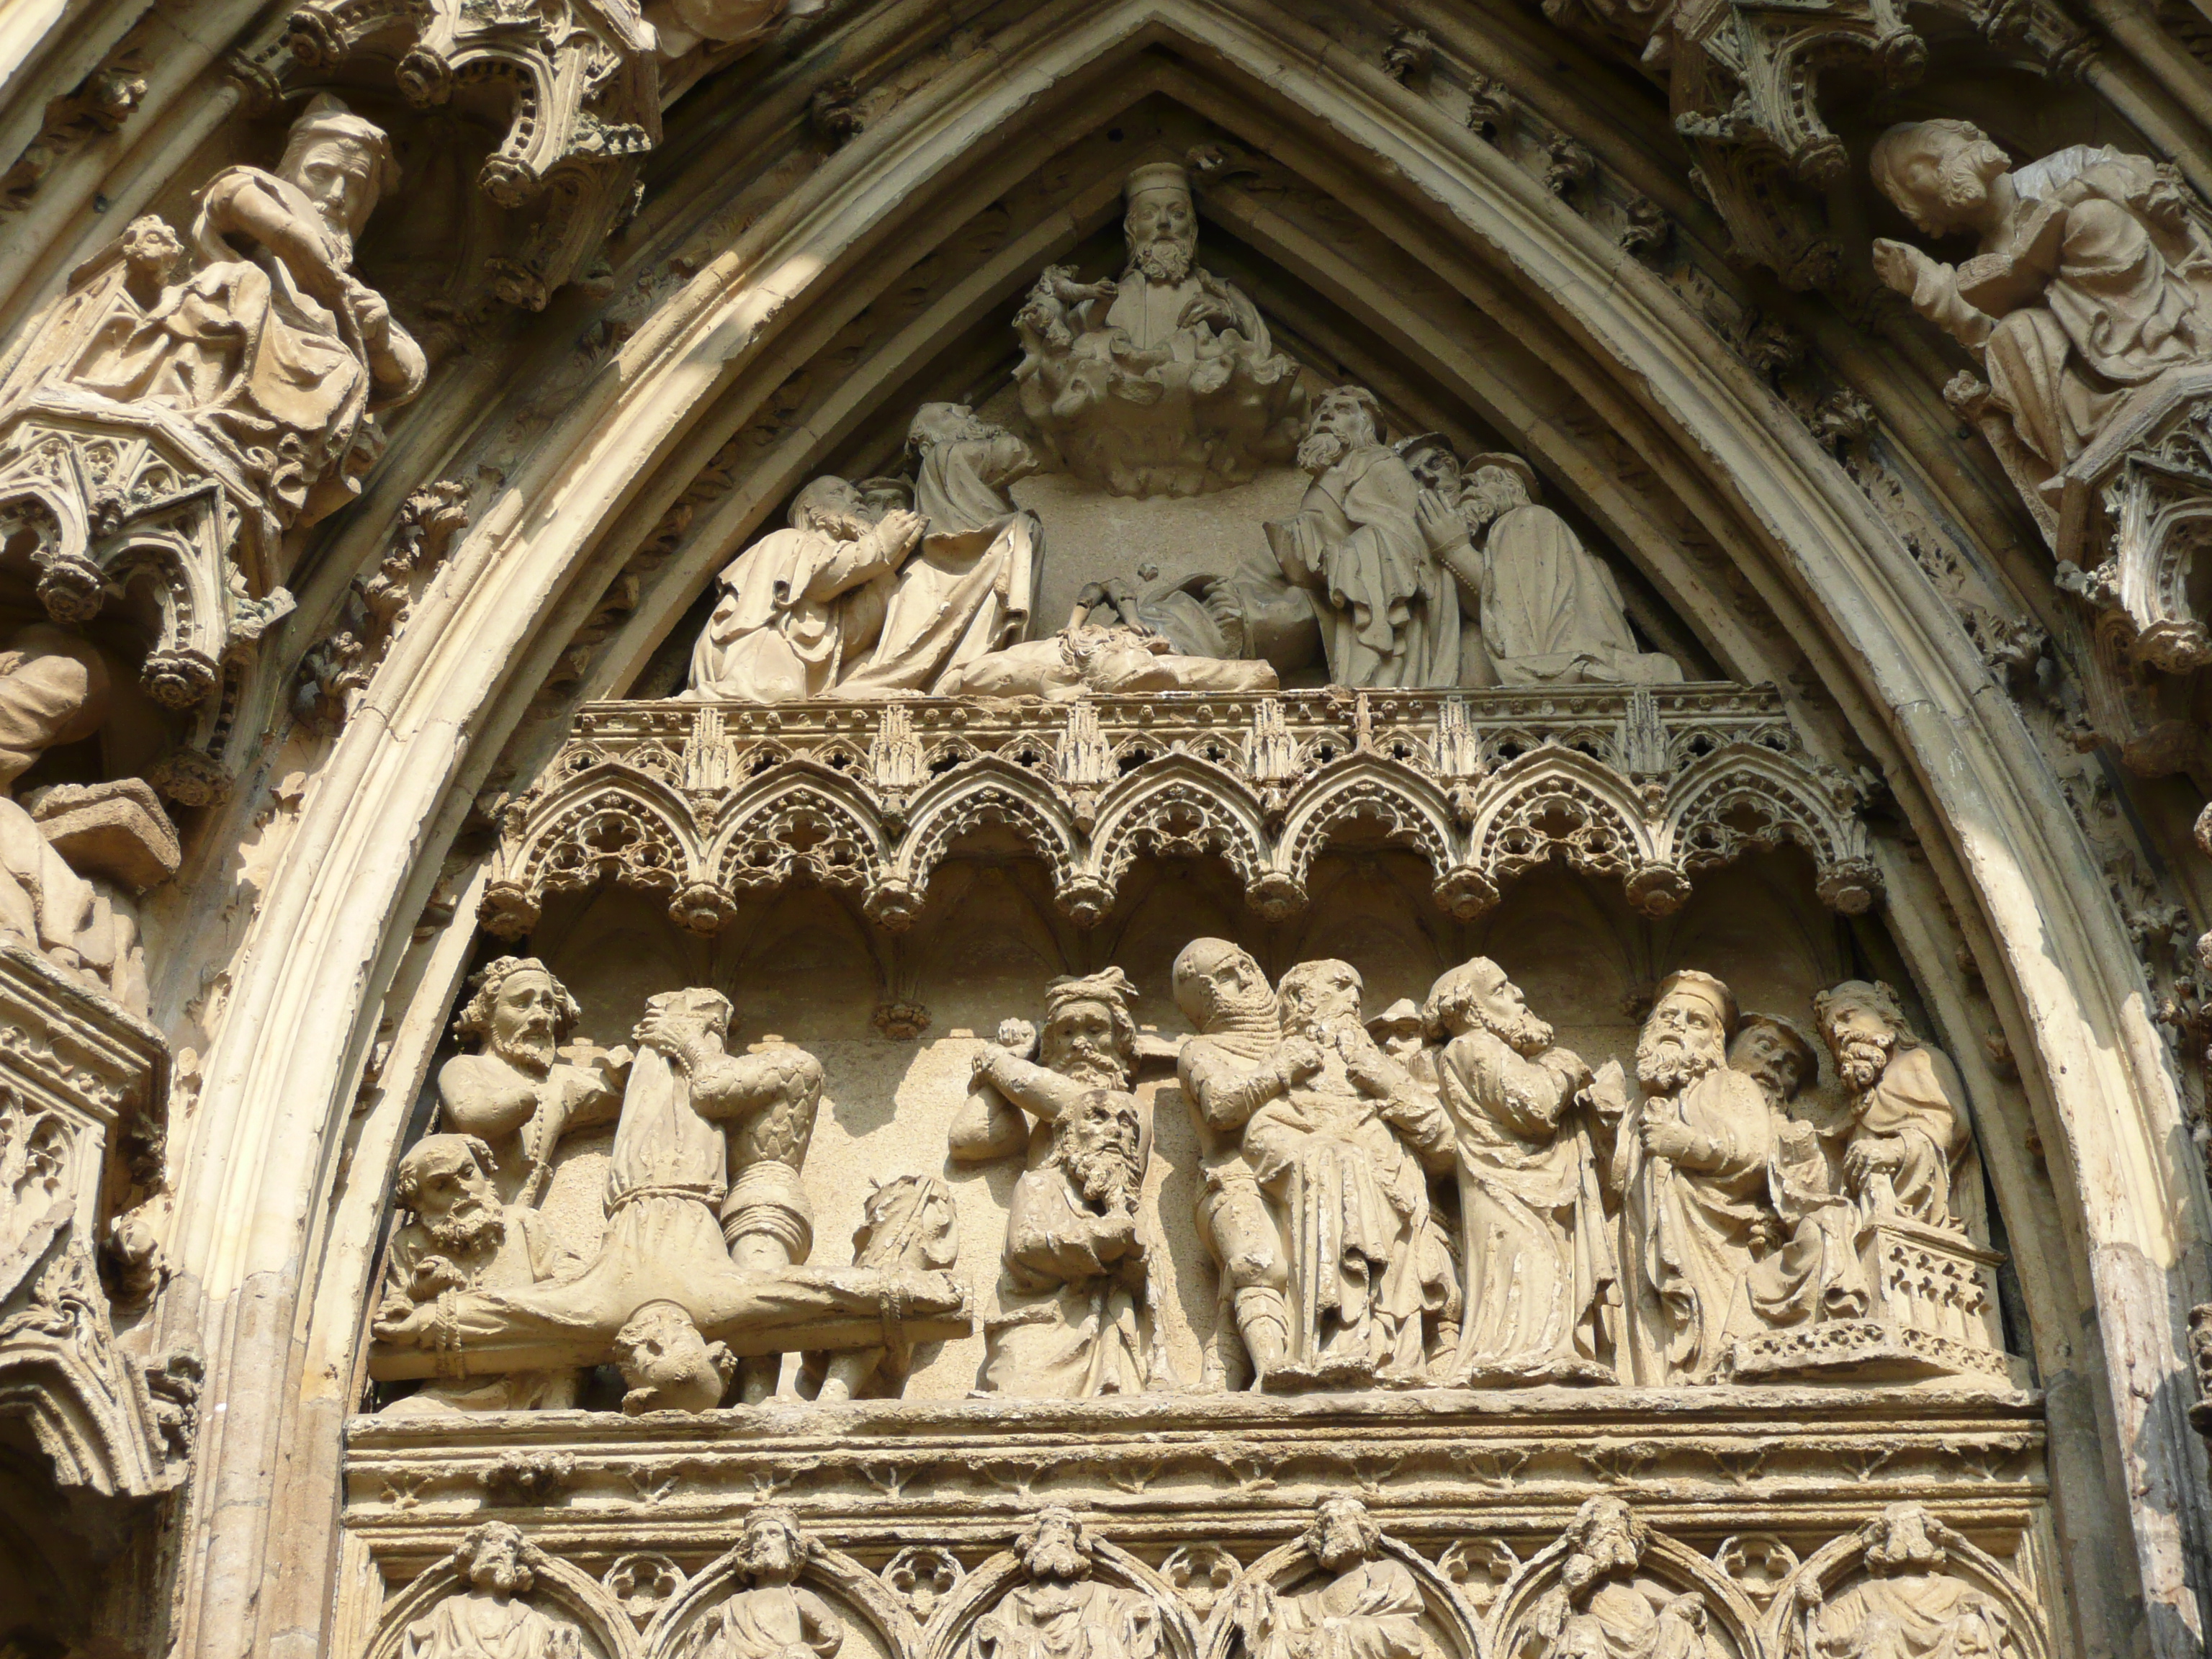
77 1075
1472 1491
706 802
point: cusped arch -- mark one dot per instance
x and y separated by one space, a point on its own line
844 1581
951 1629
1367 787
987 790
1746 798
1283 1567
1557 802
1184 805
579 1599
798 819
1668 1560
79 1408
1937 1552
604 822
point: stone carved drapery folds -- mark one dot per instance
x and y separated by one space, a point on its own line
182 407
701 804
78 1078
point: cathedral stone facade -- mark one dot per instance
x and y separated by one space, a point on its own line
1105 829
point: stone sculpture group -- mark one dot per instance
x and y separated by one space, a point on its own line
1441 1197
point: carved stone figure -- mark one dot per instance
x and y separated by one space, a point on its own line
1402 1031
771 1618
1540 1278
1236 1063
1108 659
907 1223
1370 1608
1343 1153
1074 1320
1164 383
706 1212
517 1093
1694 1171
667 1366
1062 1611
970 589
1809 1270
1552 612
54 689
1365 563
2088 279
267 346
1910 1147
1907 1606
490 1617
1603 1608
802 606
461 1237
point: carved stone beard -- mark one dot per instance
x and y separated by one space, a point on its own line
1862 1060
1078 1060
465 1231
1321 451
1522 1032
1102 1175
838 526
1060 1560
503 1575
1166 259
1666 1064
1961 184
529 1051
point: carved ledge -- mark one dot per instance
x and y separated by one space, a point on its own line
704 803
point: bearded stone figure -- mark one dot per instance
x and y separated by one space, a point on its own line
802 606
1365 568
490 1619
1370 1608
1117 657
1911 1148
517 1093
1808 1269
1604 1607
461 1237
1074 1320
1693 1166
1542 1285
705 1213
1343 1153
971 588
1906 1606
1552 612
268 347
1060 1610
667 1364
2089 276
1164 383
771 1618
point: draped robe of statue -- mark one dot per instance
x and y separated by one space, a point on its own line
483 1627
1354 1201
261 364
770 1621
1911 1615
1076 1619
2076 299
53 690
1688 1233
1917 1101
1388 609
1552 610
798 607
1372 1611
1069 1325
1539 1272
970 588
1814 1272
